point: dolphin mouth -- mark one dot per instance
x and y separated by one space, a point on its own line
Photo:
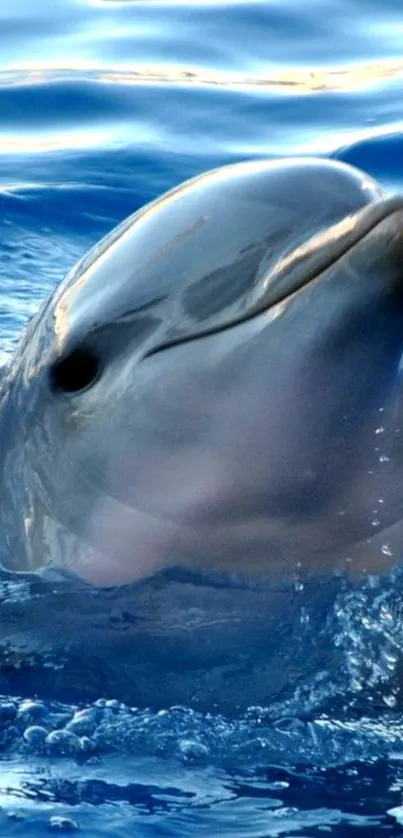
297 268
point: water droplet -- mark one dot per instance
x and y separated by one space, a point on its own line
62 824
366 622
389 700
304 617
390 661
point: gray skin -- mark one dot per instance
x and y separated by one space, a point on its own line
217 385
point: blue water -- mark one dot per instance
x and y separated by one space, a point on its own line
103 105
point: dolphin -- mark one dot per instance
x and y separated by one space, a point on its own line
216 386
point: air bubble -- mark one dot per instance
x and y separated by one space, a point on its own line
35 737
63 742
192 751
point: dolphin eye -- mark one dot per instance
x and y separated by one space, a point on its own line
75 372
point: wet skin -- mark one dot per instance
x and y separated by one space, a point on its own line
217 385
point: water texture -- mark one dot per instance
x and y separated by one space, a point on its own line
104 104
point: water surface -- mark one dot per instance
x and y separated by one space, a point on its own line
103 105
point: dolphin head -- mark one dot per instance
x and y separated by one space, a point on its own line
217 384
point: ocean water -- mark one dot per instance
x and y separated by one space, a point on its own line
104 104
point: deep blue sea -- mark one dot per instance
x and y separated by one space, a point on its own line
104 104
